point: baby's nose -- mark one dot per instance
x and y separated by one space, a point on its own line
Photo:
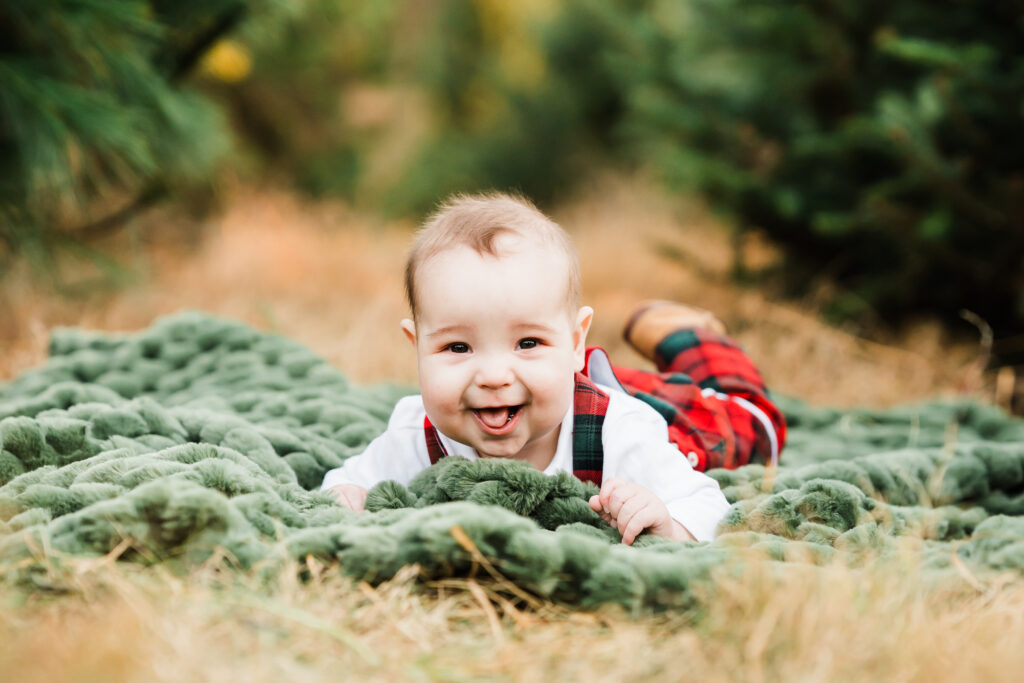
494 371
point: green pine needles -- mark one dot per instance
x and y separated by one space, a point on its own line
92 99
200 435
878 142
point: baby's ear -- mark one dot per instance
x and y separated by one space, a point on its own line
579 335
409 327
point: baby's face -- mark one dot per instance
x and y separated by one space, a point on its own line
498 347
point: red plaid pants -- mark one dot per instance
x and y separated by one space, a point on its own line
718 410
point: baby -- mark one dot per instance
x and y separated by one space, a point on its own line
504 371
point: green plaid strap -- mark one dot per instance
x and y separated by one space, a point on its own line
591 405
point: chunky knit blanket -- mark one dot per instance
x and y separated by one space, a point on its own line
201 436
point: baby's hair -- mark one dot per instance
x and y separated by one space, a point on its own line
476 221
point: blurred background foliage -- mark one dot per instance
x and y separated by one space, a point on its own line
94 112
878 143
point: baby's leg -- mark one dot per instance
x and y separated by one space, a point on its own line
692 341
654 321
710 392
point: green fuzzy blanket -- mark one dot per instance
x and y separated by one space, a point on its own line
200 435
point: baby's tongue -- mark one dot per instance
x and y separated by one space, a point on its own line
493 417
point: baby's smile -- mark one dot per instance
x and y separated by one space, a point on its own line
498 420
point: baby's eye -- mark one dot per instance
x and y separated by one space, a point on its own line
457 347
528 343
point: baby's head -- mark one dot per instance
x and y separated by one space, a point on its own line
478 222
494 288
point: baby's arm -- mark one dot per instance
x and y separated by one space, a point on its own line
396 455
632 508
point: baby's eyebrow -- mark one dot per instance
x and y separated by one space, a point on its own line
448 329
533 327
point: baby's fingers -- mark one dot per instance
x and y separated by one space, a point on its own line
608 491
350 495
630 507
635 525
615 494
357 500
595 505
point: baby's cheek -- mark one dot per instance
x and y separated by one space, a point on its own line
438 385
553 393
437 404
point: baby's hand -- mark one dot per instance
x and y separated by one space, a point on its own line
349 495
632 508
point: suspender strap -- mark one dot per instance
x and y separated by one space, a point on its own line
435 449
591 405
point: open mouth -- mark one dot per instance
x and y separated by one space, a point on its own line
497 420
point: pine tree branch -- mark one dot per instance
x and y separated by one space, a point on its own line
155 190
150 195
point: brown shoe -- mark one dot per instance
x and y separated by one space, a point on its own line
652 321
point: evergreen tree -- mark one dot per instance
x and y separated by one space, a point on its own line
880 142
92 98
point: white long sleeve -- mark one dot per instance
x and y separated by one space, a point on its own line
637 449
396 455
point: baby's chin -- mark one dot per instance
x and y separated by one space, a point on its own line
488 452
532 452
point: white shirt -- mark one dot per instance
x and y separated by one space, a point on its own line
636 448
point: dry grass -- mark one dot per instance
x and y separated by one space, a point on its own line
123 623
331 279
